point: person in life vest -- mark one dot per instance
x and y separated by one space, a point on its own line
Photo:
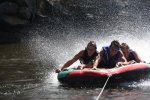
109 56
131 55
86 57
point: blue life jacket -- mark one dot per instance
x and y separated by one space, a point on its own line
86 59
131 55
108 62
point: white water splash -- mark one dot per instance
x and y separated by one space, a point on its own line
61 50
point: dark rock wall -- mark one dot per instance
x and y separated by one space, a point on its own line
17 12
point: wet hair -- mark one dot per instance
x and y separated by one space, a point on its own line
124 45
92 43
115 43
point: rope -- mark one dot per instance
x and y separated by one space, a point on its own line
109 75
103 87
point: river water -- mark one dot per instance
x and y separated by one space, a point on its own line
27 67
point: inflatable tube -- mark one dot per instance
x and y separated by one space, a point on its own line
120 74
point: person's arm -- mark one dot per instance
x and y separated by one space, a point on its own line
98 59
137 57
81 66
125 63
122 58
71 61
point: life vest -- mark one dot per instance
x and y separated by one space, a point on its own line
131 55
108 62
86 59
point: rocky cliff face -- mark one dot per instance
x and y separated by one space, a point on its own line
17 12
